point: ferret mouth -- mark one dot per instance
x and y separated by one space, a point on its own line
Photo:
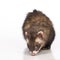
33 53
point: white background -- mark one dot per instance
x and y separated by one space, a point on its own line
12 15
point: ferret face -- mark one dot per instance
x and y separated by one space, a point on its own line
34 42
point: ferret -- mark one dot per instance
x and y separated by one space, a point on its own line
38 31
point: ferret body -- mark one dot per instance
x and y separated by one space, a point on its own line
38 31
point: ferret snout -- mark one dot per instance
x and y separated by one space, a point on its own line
33 53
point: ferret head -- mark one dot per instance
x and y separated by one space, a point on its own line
35 41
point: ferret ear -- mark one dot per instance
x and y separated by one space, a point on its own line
40 34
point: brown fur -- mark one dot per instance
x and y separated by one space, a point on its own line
37 21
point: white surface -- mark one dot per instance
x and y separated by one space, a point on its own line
12 15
